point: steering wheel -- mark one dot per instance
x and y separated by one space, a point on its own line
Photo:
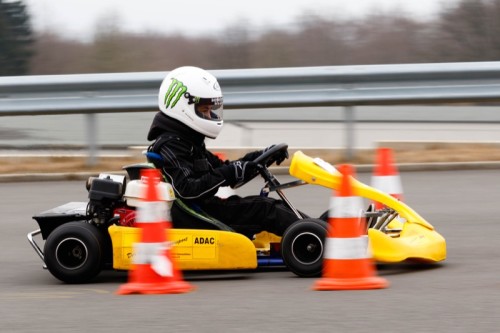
270 156
266 159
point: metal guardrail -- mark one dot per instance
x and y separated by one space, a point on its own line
346 86
256 88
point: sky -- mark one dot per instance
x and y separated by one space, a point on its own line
77 19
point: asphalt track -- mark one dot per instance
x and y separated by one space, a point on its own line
460 295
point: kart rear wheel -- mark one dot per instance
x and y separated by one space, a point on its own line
74 252
302 247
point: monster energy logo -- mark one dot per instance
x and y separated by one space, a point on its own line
174 93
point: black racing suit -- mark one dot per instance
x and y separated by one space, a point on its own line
196 175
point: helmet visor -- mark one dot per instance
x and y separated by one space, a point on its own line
209 108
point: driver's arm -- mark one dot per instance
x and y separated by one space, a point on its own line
192 179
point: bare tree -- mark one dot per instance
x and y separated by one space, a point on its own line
55 55
469 31
383 38
320 42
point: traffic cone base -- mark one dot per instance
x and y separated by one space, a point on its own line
373 282
155 283
350 274
177 287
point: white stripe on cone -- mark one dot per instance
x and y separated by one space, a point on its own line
341 207
161 265
388 184
153 212
347 248
153 254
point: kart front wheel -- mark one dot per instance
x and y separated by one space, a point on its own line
74 252
302 247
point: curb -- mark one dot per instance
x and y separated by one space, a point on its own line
402 167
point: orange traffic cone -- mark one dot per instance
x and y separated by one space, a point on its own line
153 269
224 191
347 262
385 176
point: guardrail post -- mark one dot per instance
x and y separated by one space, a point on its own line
349 132
91 120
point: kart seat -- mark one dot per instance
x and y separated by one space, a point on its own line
184 215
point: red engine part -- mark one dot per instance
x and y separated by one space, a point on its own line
127 216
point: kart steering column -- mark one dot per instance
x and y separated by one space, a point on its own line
272 184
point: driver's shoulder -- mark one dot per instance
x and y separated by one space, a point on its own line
172 142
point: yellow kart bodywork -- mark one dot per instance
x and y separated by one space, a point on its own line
193 249
196 249
414 239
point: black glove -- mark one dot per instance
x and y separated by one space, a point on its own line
252 155
280 156
238 172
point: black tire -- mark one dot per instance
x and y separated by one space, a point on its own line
302 247
74 252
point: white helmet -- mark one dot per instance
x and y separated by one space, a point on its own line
193 96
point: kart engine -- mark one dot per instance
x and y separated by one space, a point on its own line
104 193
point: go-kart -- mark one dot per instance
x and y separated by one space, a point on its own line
83 238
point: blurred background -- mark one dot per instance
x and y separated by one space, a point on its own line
39 37
46 37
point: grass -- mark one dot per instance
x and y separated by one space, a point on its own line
429 154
